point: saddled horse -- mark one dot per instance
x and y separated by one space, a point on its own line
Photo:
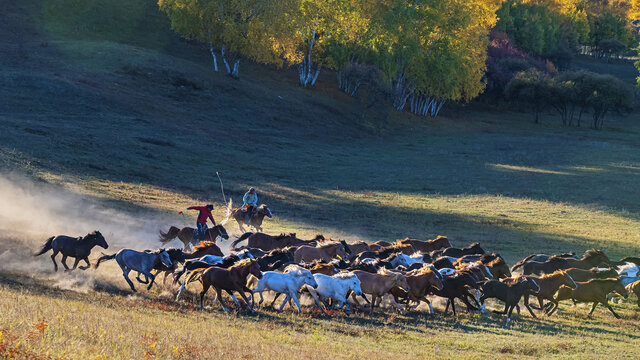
78 248
426 246
269 242
140 261
186 235
256 217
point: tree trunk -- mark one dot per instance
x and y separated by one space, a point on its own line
215 60
236 68
224 60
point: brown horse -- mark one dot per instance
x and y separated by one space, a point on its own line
256 217
378 285
269 242
358 247
323 252
634 287
427 246
186 235
549 285
420 282
78 248
378 245
591 258
582 275
230 280
510 291
595 291
319 267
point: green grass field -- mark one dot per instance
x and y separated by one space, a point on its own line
109 121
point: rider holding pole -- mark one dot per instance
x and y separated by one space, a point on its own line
201 223
250 201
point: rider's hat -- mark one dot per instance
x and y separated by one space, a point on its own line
209 206
251 189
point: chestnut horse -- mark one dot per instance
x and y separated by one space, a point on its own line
230 280
426 246
420 282
324 252
595 291
78 248
549 285
379 285
186 235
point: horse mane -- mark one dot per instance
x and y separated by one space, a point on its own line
344 275
553 274
318 237
295 269
89 236
204 245
591 253
333 244
382 271
423 270
495 262
244 262
475 244
440 237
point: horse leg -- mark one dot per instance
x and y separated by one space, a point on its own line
86 259
53 258
125 273
398 307
373 303
453 306
205 288
509 314
75 264
153 278
219 297
424 298
592 308
446 308
315 298
468 304
64 262
526 304
274 299
244 297
293 294
506 307
235 300
611 309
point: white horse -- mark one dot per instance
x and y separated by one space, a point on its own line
288 283
335 287
139 261
404 260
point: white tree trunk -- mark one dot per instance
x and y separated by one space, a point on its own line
236 68
215 60
224 60
400 92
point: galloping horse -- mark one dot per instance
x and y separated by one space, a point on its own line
591 258
186 235
426 246
256 218
230 280
78 248
139 261
269 242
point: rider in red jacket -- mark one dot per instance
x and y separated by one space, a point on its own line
201 223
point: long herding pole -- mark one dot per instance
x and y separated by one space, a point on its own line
222 188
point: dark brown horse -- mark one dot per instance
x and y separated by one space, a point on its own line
420 282
256 217
591 258
582 275
595 291
230 280
269 242
509 291
469 250
78 248
178 256
426 246
186 235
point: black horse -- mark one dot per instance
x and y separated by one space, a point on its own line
78 248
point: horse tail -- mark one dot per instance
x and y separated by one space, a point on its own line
521 262
178 274
169 235
46 247
242 237
194 275
104 258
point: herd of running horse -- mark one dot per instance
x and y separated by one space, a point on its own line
337 274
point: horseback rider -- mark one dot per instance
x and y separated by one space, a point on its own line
250 201
201 223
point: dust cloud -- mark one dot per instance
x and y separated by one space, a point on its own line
31 212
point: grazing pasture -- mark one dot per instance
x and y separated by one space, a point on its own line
99 131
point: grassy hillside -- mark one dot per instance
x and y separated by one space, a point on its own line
105 102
